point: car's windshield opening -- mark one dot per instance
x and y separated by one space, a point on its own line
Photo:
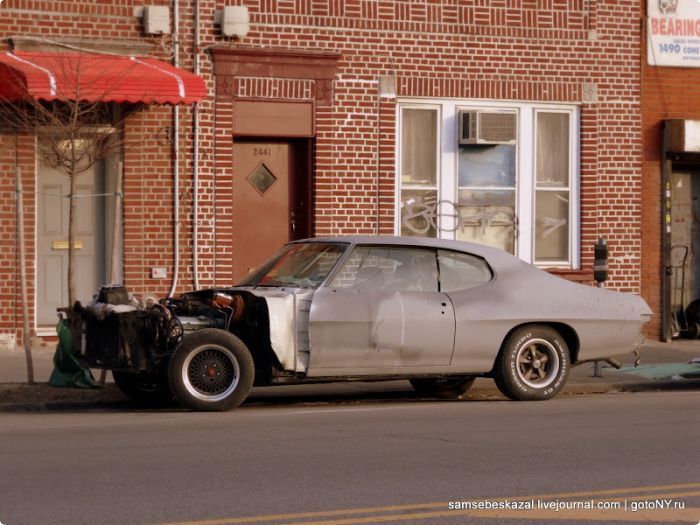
304 265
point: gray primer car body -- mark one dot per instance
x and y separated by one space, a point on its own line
438 313
340 333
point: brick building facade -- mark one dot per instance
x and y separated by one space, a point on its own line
515 123
670 174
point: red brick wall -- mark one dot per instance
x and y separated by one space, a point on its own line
16 151
667 93
534 50
540 51
148 197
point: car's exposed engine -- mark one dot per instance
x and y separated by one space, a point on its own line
121 332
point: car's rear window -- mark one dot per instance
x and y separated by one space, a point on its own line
459 271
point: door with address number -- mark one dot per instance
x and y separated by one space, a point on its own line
270 199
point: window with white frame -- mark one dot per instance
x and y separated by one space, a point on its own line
500 174
419 169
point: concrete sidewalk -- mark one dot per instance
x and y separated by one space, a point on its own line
13 365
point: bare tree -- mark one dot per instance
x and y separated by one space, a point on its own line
80 126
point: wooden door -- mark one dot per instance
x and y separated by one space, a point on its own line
263 211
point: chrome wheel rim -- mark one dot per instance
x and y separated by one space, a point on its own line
211 373
537 363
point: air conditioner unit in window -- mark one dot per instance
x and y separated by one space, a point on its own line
487 127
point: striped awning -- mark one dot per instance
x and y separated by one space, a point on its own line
95 77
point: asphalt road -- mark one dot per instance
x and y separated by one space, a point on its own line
372 462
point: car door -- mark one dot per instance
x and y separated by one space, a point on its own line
382 311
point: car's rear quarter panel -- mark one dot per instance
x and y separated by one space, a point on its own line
605 322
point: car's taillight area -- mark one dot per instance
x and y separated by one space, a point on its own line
641 308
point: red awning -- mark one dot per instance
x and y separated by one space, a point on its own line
96 78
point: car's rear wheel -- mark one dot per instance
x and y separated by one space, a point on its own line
211 370
533 364
143 388
443 387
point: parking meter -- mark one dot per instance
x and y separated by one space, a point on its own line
600 262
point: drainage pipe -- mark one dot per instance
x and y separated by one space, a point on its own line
176 159
195 153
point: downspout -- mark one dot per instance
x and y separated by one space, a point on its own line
176 158
377 146
195 153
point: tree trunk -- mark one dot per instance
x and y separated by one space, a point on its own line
71 237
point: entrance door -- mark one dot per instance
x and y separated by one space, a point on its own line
52 240
270 199
684 256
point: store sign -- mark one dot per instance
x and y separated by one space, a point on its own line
673 33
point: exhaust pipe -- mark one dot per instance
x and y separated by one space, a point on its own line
614 363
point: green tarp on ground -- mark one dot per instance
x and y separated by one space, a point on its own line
664 371
67 372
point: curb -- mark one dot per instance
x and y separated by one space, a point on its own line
40 397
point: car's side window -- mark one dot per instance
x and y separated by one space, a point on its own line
389 268
459 271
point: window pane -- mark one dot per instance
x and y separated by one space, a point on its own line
487 217
459 271
388 268
419 213
487 165
552 150
552 226
419 147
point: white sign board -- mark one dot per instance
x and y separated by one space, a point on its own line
673 33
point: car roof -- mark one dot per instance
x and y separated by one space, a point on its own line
493 255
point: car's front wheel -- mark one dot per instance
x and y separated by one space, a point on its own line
533 364
443 387
211 370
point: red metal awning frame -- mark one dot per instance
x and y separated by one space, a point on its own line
95 77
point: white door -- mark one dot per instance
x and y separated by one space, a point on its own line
52 240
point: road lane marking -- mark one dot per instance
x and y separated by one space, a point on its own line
302 515
621 514
443 512
605 516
